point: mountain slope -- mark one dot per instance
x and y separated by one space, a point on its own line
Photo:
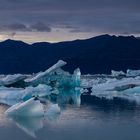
100 54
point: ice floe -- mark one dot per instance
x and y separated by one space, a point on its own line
60 87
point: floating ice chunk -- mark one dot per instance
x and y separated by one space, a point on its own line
109 87
10 96
70 81
30 107
40 90
11 79
117 73
59 64
133 73
56 77
129 94
83 90
90 81
53 109
113 84
107 94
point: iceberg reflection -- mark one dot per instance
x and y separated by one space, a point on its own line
69 96
30 125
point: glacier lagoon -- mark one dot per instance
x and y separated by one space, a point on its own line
95 119
55 104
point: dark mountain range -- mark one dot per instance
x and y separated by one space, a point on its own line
100 54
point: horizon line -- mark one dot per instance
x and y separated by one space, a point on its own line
111 35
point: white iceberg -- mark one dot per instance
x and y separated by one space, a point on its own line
31 107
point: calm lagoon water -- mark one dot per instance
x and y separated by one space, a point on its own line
95 119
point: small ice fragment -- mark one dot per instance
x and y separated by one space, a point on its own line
53 109
133 73
11 79
117 73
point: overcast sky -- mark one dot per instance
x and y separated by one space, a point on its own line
59 20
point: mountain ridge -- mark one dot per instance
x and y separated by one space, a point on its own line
47 42
99 54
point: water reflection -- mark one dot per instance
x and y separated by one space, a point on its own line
69 96
82 117
29 125
109 104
